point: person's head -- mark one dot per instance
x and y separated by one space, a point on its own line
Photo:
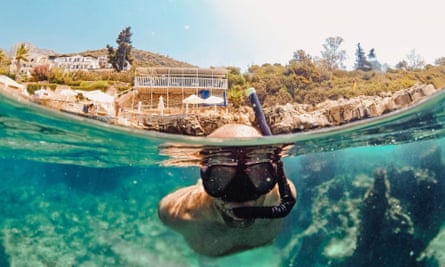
238 174
235 131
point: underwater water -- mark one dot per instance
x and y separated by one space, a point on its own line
76 192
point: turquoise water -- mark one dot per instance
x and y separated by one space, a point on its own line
76 192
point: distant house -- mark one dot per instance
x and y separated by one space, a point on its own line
26 66
64 62
78 62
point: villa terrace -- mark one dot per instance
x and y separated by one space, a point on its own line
174 85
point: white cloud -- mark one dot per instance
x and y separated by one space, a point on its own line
187 27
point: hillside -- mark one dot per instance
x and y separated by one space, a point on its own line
141 58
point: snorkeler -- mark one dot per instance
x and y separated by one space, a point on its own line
236 205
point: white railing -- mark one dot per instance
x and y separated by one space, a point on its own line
180 82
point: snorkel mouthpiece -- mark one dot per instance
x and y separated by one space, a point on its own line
271 212
287 201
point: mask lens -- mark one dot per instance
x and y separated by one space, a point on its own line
216 178
262 176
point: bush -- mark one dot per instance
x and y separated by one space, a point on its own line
93 85
32 87
40 73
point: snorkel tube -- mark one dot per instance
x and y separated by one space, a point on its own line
259 114
287 201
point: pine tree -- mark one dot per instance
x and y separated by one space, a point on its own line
372 58
120 57
361 61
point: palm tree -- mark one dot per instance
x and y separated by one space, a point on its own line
2 56
21 55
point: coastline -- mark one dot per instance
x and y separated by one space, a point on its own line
283 119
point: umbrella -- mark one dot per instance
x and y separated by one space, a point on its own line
99 96
68 93
161 105
213 100
41 92
105 100
192 99
8 82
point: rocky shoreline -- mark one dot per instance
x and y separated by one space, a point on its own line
292 118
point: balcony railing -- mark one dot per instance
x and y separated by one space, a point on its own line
180 82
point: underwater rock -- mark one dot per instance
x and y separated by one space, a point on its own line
422 193
4 258
392 219
386 233
328 216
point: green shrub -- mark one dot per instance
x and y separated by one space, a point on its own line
94 85
32 87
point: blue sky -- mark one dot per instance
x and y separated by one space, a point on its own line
229 32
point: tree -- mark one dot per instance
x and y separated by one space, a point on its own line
21 55
237 84
122 55
301 72
440 61
361 62
2 56
372 58
301 56
40 72
402 65
332 54
415 61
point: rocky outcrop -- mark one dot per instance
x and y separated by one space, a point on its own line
383 222
349 219
292 118
197 124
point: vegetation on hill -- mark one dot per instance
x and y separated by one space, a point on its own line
141 58
305 79
312 80
278 84
4 62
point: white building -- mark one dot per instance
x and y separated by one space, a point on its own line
78 62
26 66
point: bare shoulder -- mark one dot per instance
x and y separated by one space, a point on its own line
293 189
184 205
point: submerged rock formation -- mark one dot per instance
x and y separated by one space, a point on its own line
393 218
385 226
